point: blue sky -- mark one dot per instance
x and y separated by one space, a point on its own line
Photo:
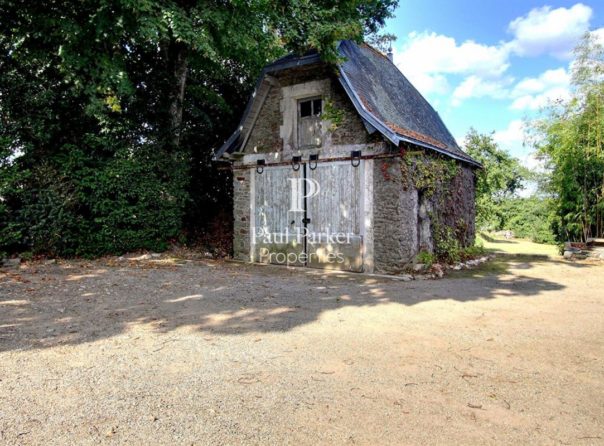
491 64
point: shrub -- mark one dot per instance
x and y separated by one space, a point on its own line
425 258
471 252
446 245
132 199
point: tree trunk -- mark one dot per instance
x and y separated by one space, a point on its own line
178 64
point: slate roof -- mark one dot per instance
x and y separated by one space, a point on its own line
382 96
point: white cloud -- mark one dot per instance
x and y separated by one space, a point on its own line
426 81
530 93
536 92
599 33
511 137
436 53
536 102
432 61
477 87
427 57
549 31
550 78
531 162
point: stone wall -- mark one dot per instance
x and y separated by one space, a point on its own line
395 212
351 130
265 136
241 214
404 217
455 205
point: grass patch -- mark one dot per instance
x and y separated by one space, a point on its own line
515 246
501 264
498 265
508 254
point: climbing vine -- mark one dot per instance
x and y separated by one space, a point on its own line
446 244
441 185
331 113
427 174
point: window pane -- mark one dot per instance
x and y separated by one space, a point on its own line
316 104
305 109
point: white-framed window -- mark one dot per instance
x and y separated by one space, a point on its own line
309 122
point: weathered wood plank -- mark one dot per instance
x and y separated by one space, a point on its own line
336 210
273 218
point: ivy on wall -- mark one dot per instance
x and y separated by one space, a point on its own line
428 174
441 181
331 113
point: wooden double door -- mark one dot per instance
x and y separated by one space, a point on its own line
309 217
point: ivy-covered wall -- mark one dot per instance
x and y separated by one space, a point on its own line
423 202
455 205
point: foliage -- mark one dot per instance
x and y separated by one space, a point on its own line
428 173
446 245
531 218
499 179
331 113
471 252
110 109
425 258
569 138
497 203
437 181
382 42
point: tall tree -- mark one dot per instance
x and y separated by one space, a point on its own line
499 179
569 137
109 109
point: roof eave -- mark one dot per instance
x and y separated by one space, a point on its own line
441 151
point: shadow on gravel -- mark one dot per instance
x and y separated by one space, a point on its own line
502 263
48 305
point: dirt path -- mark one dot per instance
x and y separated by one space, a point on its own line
219 353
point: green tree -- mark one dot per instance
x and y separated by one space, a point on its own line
569 139
499 179
529 217
110 109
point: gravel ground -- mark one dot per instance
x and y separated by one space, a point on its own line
200 352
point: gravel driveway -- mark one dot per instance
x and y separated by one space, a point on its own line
202 352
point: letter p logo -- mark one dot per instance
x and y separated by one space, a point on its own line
302 188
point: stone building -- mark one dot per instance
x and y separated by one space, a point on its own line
345 167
